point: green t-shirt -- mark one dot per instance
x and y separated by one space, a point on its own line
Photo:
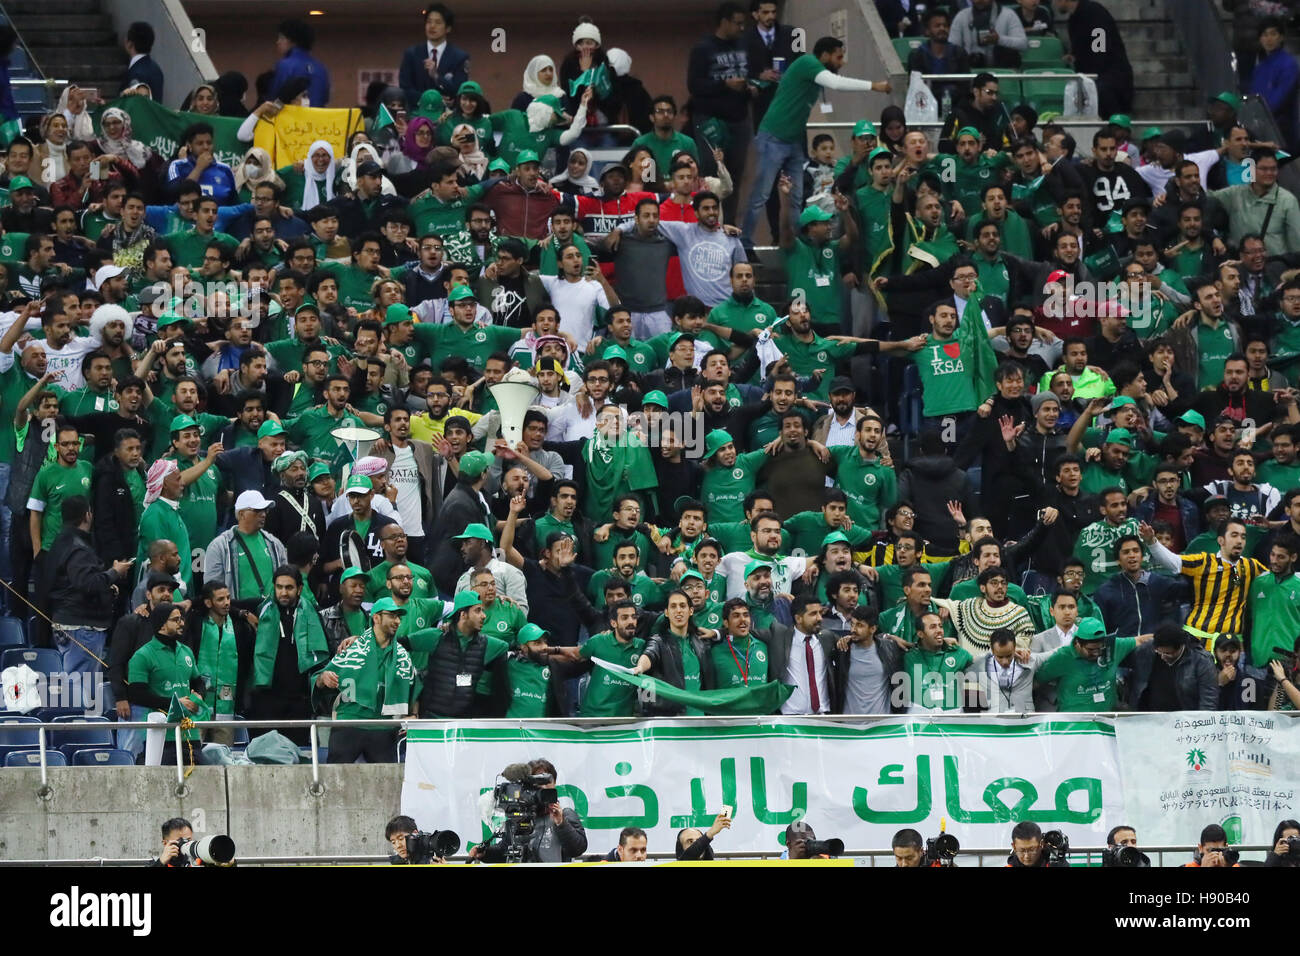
808 529
817 353
739 662
1281 477
946 385
188 247
354 286
199 510
135 483
934 677
1083 685
646 593
663 150
310 431
1275 618
162 521
54 485
1214 346
606 695
504 621
723 490
530 686
870 487
603 551
166 671
431 214
1095 547
377 581
474 343
251 571
547 523
741 317
816 271
786 118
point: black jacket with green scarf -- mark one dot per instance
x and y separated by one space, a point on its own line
308 638
245 640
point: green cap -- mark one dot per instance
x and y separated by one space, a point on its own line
457 294
757 565
170 318
307 307
552 101
1119 436
358 483
1227 96
655 397
531 632
475 530
1192 418
351 573
526 156
318 470
615 351
182 422
498 165
813 214
474 463
864 128
836 537
1121 119
678 336
20 182
878 151
1090 629
385 604
1152 132
1119 402
463 600
715 440
397 312
692 574
269 427
967 131
468 88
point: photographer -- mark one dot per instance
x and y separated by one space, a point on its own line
558 835
1121 849
801 843
908 849
396 832
691 844
1028 846
1213 850
1286 845
173 832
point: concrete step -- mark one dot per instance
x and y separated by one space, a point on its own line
58 60
17 8
37 23
69 39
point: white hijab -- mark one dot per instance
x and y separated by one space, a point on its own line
310 195
533 85
356 159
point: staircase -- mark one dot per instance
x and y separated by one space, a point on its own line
71 40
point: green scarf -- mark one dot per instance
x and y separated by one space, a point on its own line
746 701
219 664
930 253
308 638
363 668
615 469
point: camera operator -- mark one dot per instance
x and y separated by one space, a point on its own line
1121 849
1213 850
396 832
1029 849
801 843
1286 845
632 843
174 831
692 844
558 833
909 852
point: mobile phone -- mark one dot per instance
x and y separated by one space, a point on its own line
278 104
95 170
91 93
726 812
1248 435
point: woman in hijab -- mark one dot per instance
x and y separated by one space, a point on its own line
117 141
363 151
256 168
473 161
539 80
576 178
310 182
50 158
231 87
75 109
203 100
417 143
892 129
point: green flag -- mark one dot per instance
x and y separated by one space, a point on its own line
597 78
383 118
976 350
176 713
730 702
161 129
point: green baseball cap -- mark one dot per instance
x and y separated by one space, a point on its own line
967 131
1090 629
655 397
715 440
463 600
1120 401
498 165
358 483
864 128
1119 436
397 312
531 632
318 470
170 318
692 574
616 352
475 530
351 573
813 214
1152 132
1122 120
836 537
307 307
385 604
1227 96
526 156
474 463
459 293
1192 417
878 151
678 336
757 565
269 427
20 182
469 88
182 422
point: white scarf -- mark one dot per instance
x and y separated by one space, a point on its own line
311 197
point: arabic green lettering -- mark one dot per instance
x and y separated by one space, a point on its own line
576 795
952 794
892 775
1023 809
1062 813
649 811
758 787
700 817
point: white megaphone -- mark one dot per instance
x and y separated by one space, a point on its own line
357 441
514 395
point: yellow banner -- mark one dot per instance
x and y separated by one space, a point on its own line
293 129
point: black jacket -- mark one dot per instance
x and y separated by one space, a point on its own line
81 592
131 633
245 640
1196 678
711 61
460 508
1136 608
930 482
145 70
116 533
779 638
666 658
758 57
284 520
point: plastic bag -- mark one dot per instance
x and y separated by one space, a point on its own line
921 105
22 695
273 747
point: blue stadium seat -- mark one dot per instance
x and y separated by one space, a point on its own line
241 735
32 758
12 633
70 741
18 733
43 660
47 714
103 757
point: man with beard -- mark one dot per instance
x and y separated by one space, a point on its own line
1233 397
708 249
117 490
464 506
244 556
249 468
476 549
100 427
647 593
395 543
839 426
798 467
362 520
742 310
563 517
310 431
64 351
536 425
417 472
510 290
976 618
765 539
165 669
289 650
518 471
1247 500
25 213
1109 184
295 508
460 654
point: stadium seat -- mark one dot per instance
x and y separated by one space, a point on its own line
32 758
47 714
43 660
1044 95
241 735
102 757
70 741
12 633
18 733
1043 51
1010 91
904 46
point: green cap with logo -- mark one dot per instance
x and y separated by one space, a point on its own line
20 182
692 575
526 156
715 440
463 600
1090 629
813 214
459 293
1119 436
967 131
531 632
475 530
864 128
655 397
397 312
182 422
1121 120
469 88
836 537
615 351
171 318
474 463
757 565
1119 402
358 483
386 605
877 152
499 165
318 470
268 428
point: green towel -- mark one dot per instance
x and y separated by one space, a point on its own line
731 702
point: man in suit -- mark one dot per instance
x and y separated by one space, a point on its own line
1006 684
430 471
138 45
804 656
764 40
434 64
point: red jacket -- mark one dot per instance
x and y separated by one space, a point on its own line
520 212
68 192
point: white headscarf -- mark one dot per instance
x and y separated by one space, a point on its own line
371 154
586 184
475 161
533 85
619 61
310 195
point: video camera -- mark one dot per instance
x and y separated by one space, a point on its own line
520 800
1125 856
941 850
427 847
215 850
1057 847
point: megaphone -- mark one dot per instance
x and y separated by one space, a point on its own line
514 395
357 442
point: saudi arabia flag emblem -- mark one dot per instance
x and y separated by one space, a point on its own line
1196 759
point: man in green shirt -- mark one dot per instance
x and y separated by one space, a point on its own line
1282 471
63 478
310 431
947 385
505 620
663 140
440 210
97 394
728 476
357 279
467 673
395 543
164 670
815 265
461 337
246 556
1095 545
534 680
808 529
866 473
1084 670
903 620
564 504
202 484
162 518
935 672
189 246
290 353
647 592
1275 606
606 695
739 658
742 310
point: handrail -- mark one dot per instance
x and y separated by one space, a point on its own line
1075 123
1009 76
